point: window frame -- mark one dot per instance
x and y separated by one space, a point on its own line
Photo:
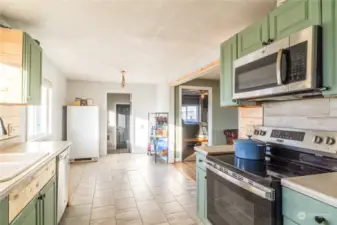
198 113
48 123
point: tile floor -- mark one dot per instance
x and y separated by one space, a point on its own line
123 189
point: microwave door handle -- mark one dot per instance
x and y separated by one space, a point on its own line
278 67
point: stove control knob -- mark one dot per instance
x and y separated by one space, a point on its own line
256 132
330 141
262 132
317 140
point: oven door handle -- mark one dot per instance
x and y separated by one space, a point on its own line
263 192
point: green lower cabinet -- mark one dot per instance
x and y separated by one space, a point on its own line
287 221
253 37
30 214
227 56
42 210
293 16
201 194
329 29
49 203
4 211
303 210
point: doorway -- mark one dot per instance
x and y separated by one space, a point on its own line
118 123
122 126
195 118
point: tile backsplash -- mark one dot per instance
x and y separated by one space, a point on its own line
249 117
315 114
11 115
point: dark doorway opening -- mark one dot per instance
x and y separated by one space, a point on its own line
123 126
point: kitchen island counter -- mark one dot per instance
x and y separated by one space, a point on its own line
215 150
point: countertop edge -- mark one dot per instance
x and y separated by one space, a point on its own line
329 200
197 148
32 170
219 149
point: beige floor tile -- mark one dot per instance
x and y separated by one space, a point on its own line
148 205
103 201
77 211
128 216
152 216
81 200
123 194
103 212
122 187
179 218
107 221
103 193
125 203
171 207
76 221
165 197
143 196
105 185
186 200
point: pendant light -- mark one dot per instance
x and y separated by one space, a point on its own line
123 79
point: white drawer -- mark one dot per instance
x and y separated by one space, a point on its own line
20 196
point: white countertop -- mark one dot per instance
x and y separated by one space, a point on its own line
215 150
322 187
54 148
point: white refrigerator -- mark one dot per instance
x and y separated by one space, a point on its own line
83 131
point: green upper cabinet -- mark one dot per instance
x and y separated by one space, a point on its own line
228 53
253 37
33 70
293 16
49 203
20 68
4 211
201 194
329 29
29 215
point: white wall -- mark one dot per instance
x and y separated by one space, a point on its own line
59 87
143 102
163 97
112 100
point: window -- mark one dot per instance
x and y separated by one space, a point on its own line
39 116
190 113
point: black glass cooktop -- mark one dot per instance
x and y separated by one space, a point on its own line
272 168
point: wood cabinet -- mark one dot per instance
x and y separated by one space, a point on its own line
303 210
201 187
4 211
227 56
20 68
253 37
293 16
41 210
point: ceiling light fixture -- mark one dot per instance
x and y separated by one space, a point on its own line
123 79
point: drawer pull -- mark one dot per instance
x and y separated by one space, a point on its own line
320 219
200 160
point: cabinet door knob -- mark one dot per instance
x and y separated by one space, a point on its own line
320 219
200 160
264 43
205 178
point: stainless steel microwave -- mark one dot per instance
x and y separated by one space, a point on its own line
289 66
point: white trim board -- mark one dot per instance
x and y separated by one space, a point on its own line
209 116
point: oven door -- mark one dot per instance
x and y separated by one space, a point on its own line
231 201
261 73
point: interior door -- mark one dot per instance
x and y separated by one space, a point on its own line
123 125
